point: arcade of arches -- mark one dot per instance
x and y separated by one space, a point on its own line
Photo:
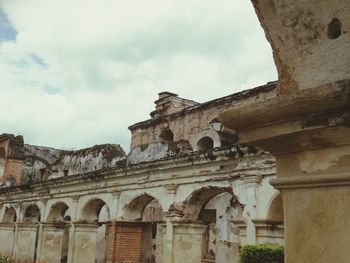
177 196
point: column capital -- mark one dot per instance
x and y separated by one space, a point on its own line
171 188
116 193
44 201
252 180
75 198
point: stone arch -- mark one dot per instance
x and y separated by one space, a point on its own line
205 133
59 212
143 207
92 210
275 209
166 135
215 207
40 159
205 144
199 198
146 210
10 215
32 214
96 210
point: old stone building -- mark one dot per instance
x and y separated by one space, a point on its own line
186 192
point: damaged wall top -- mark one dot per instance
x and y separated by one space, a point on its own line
40 163
178 127
188 129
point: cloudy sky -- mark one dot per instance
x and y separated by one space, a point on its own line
74 73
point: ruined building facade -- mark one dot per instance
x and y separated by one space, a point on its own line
186 192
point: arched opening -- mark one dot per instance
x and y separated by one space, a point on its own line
10 215
97 211
276 209
60 213
216 207
147 209
166 136
152 212
92 211
205 144
8 230
32 214
273 227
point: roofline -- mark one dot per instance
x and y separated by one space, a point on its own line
232 97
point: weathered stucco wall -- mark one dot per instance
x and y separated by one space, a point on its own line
43 163
126 193
191 124
308 39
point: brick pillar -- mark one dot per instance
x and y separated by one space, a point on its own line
128 242
110 241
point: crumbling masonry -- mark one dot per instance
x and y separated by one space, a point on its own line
186 188
187 192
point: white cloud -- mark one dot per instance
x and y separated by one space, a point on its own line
80 72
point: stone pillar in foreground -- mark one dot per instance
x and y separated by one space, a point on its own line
306 126
308 133
315 187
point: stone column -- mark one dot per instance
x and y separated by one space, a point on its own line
308 133
84 243
307 125
251 186
315 187
40 230
115 209
25 246
73 208
51 242
183 241
7 238
167 231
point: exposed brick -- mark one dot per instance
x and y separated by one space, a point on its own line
124 242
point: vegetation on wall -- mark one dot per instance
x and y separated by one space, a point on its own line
262 253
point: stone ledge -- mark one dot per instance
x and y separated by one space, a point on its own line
311 181
324 98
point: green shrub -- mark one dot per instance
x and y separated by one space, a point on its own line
4 259
262 253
